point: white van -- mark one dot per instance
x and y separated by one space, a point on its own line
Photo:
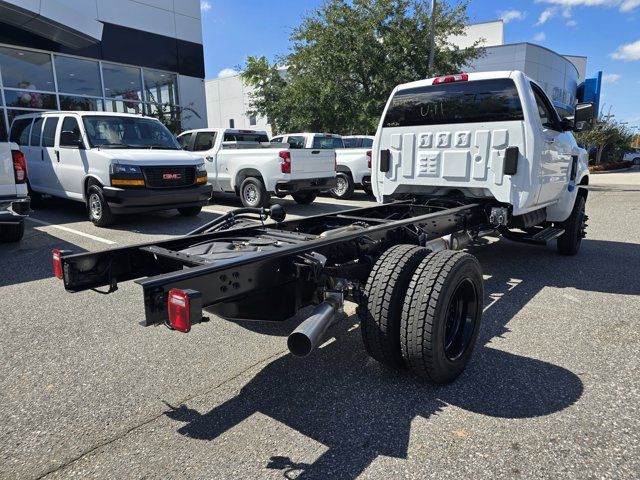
113 162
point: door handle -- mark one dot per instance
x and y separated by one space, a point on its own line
58 155
550 141
210 158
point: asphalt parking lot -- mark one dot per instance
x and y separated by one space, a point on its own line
553 389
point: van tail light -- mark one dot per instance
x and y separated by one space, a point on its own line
57 263
19 166
185 309
462 77
368 158
285 165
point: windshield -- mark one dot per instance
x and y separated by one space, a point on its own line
108 131
325 142
245 137
457 102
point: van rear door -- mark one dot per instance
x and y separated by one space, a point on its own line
450 134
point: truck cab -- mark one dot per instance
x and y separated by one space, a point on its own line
490 135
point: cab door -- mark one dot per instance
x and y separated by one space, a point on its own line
71 157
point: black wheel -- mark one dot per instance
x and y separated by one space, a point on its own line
98 208
253 194
380 306
344 188
441 315
574 229
189 211
304 198
12 233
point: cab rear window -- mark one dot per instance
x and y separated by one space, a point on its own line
476 101
326 142
245 137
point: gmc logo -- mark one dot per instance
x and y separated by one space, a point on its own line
171 176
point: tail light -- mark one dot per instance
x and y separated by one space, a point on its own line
368 158
19 166
462 77
285 166
57 263
185 309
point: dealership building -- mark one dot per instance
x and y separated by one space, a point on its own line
561 76
136 56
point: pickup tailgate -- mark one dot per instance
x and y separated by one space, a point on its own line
310 163
7 178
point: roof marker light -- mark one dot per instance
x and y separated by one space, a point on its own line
461 77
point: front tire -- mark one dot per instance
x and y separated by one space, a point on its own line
253 194
574 229
12 233
441 315
98 209
344 188
304 198
189 211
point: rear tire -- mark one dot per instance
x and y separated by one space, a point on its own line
98 209
380 307
12 233
574 229
253 194
189 211
344 188
304 198
441 315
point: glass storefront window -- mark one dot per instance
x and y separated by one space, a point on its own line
122 106
121 82
26 70
69 102
160 87
30 99
77 76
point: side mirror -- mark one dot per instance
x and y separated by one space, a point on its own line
583 117
70 139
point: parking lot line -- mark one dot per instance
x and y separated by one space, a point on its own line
71 230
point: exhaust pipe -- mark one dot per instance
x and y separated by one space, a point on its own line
310 333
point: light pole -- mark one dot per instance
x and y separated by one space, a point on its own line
432 35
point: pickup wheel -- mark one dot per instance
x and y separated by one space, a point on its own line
189 211
12 232
253 194
98 208
344 188
380 306
441 315
304 198
574 229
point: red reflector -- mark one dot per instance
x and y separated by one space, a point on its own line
462 77
19 166
179 310
368 158
57 263
285 166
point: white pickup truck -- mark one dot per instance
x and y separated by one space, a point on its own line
14 201
487 136
244 162
353 164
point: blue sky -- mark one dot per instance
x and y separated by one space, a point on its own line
606 31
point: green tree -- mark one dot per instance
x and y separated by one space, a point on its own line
345 59
608 136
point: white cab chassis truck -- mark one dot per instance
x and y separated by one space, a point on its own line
454 158
244 162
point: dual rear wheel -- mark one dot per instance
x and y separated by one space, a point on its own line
422 311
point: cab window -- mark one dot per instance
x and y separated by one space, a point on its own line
295 142
327 142
548 115
276 140
204 141
49 131
70 124
184 140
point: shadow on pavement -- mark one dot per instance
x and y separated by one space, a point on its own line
360 410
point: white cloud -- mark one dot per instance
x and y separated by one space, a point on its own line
545 16
510 15
227 72
571 23
611 78
205 5
623 5
540 37
628 53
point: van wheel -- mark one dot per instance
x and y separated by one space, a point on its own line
380 305
253 194
98 208
441 315
304 198
344 187
574 229
37 202
12 232
189 211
